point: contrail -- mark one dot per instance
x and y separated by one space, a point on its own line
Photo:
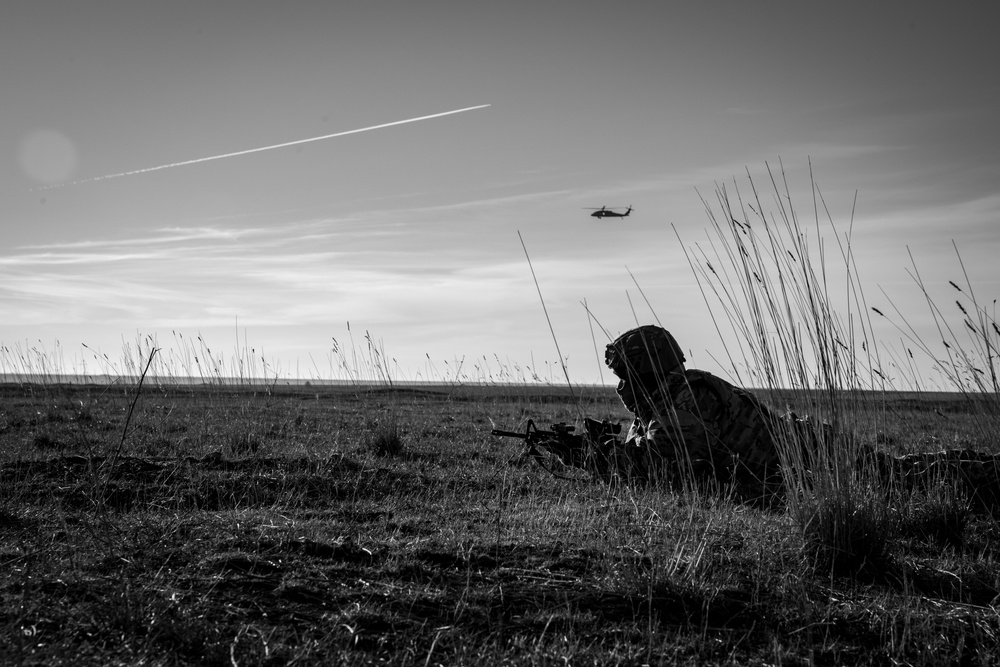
257 150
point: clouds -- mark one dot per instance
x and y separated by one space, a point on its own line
421 276
294 274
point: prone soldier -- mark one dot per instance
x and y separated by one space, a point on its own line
688 423
692 425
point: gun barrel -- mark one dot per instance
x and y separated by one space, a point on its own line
509 434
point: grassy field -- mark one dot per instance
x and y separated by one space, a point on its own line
353 525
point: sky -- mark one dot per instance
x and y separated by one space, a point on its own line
418 235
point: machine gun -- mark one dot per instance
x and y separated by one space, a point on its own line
560 440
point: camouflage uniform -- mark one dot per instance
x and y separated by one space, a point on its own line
686 421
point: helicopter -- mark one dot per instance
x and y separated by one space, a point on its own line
605 212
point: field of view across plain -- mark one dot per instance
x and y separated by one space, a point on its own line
446 334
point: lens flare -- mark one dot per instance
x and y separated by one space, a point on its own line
48 156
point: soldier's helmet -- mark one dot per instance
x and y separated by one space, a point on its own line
647 350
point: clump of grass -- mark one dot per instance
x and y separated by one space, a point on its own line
243 440
846 529
803 336
384 436
940 517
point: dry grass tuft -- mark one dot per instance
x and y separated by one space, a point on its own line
384 436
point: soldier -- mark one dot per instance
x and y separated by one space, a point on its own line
692 425
689 424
